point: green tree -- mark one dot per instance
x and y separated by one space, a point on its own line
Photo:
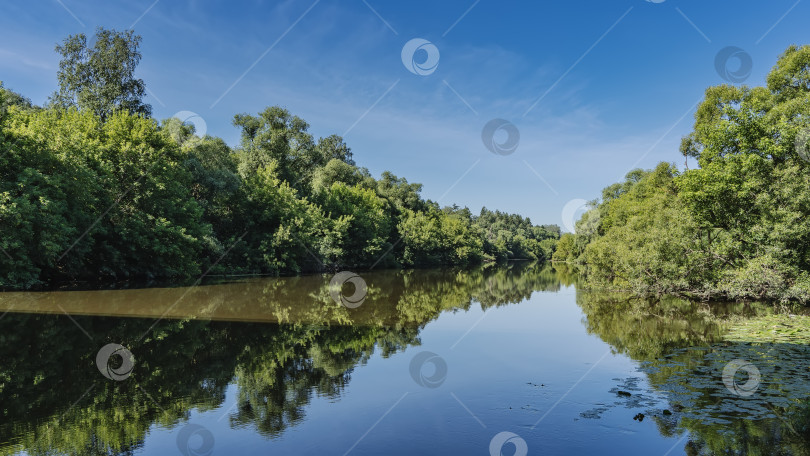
648 245
101 78
360 220
277 136
736 226
90 200
94 189
511 236
435 237
10 98
281 226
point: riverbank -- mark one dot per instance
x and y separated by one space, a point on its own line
734 227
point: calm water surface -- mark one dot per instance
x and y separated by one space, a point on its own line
490 361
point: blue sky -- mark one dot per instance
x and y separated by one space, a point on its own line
594 87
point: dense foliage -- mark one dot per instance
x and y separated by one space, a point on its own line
93 189
737 227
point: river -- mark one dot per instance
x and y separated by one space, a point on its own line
500 360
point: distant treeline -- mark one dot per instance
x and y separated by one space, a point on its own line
93 189
737 227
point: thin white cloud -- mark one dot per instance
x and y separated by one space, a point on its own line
10 59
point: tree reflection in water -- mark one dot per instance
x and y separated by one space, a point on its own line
187 363
682 350
281 342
